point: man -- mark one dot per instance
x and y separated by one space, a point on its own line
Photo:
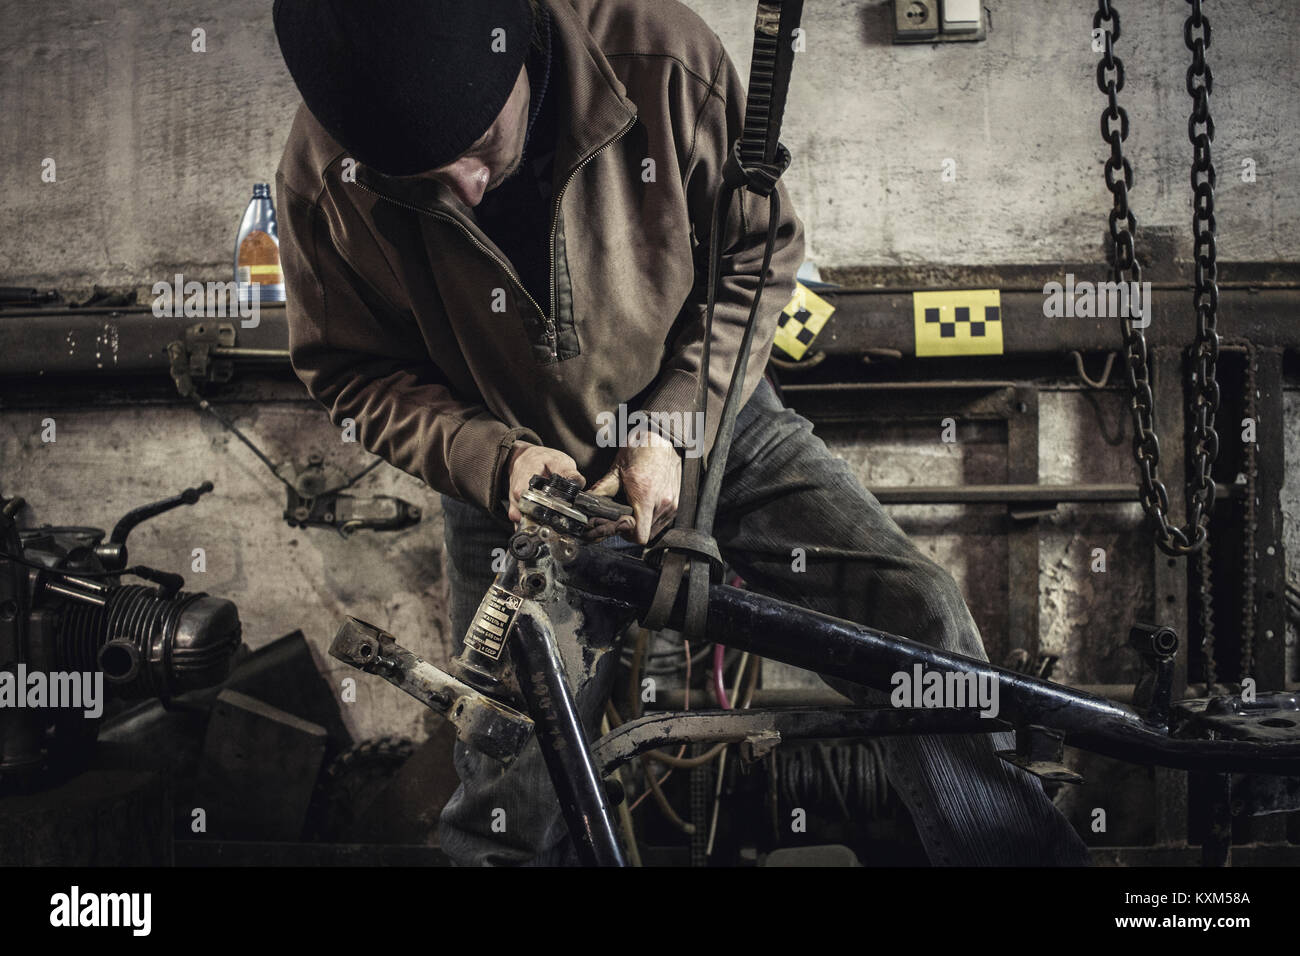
494 217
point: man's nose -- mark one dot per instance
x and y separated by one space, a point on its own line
468 179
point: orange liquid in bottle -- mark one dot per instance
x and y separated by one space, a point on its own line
259 260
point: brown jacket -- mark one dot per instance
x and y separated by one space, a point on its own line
394 293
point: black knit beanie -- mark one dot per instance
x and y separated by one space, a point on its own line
404 85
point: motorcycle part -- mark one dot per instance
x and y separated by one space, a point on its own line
490 727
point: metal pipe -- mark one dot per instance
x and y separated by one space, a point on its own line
86 584
870 657
221 351
563 740
53 343
765 728
36 341
883 319
673 698
56 586
487 725
1018 494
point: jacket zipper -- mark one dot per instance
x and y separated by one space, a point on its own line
555 223
505 266
552 336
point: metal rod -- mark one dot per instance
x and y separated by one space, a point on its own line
60 587
656 730
672 698
563 740
1015 494
86 584
221 351
36 341
870 657
483 723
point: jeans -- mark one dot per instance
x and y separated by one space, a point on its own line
782 489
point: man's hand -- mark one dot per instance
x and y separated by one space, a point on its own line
526 460
650 473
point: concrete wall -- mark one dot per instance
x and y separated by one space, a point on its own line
156 148
109 458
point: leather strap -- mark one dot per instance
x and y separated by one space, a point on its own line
689 547
688 550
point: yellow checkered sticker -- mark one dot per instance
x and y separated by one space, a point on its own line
966 322
800 321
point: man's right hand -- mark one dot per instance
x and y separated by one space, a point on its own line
526 460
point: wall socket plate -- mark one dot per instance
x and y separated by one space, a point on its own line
921 21
915 20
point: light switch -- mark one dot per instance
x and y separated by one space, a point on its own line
961 16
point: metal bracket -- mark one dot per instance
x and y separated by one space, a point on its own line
1157 647
490 727
193 355
758 745
1040 750
314 499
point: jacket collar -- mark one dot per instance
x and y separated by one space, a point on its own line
593 109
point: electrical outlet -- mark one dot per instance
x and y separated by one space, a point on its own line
938 21
915 20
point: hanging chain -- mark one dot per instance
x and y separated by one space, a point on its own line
1251 519
1206 581
1205 297
1204 441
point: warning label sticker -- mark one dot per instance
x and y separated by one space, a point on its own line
800 321
496 614
959 322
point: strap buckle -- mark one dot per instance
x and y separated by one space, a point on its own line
758 178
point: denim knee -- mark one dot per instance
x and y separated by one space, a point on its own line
939 609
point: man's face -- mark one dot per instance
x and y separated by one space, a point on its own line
495 156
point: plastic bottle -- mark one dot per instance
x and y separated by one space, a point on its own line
257 249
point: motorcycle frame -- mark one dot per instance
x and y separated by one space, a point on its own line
1045 715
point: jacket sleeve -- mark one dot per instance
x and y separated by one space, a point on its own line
364 360
718 124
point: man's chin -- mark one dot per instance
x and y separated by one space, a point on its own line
518 165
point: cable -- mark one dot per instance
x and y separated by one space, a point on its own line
624 814
363 472
722 757
634 673
1105 372
229 425
645 758
206 406
719 660
138 570
689 763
